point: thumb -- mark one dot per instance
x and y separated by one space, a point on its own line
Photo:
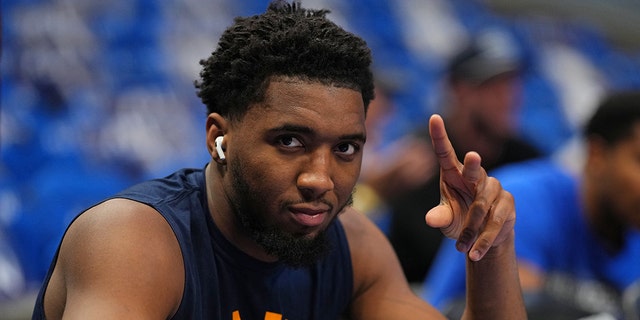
439 217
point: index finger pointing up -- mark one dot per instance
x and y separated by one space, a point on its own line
441 144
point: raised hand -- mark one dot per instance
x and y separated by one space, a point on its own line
474 209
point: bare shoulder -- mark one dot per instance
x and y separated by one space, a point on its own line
363 235
356 222
381 290
371 252
118 257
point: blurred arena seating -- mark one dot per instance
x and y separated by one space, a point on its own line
97 95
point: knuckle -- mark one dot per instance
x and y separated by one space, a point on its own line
443 153
508 197
502 213
498 219
479 208
467 234
483 243
494 182
509 204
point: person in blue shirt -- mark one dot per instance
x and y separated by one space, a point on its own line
578 238
265 230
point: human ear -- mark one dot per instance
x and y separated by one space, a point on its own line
216 129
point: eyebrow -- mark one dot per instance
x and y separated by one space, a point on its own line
307 130
292 128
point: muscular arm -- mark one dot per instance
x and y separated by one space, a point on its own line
380 288
480 215
118 260
493 290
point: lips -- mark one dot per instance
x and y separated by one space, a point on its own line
309 216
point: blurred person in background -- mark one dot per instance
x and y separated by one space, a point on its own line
388 168
578 235
481 109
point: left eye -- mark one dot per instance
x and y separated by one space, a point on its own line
347 149
290 142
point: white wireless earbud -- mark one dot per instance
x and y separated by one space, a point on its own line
219 150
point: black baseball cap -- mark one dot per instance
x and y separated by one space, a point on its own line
488 54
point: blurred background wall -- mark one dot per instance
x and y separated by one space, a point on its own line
97 95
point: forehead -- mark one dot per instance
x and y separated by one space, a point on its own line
323 108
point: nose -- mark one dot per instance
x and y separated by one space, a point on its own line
315 178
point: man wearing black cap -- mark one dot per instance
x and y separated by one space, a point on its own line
481 110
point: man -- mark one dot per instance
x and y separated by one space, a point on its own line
578 238
265 230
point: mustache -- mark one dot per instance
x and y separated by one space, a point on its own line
323 201
347 203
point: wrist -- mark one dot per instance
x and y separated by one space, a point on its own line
504 248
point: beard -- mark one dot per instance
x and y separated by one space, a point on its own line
293 250
609 226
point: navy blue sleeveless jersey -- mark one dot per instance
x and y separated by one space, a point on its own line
222 282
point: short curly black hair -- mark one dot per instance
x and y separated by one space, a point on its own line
616 117
287 40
